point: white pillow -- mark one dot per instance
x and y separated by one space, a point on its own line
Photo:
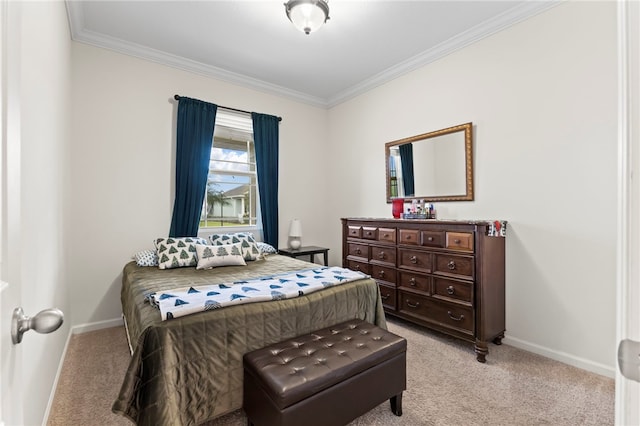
222 255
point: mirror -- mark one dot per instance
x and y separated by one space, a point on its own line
435 166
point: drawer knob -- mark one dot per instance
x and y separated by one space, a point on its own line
357 268
386 235
411 305
381 274
457 241
385 296
450 290
358 251
408 237
451 265
368 232
430 239
460 318
413 259
381 255
412 282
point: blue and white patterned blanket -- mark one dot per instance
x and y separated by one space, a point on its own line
189 300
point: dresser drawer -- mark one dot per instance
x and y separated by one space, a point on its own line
355 231
359 266
460 241
452 265
454 291
444 314
453 316
386 255
383 273
388 296
409 236
433 238
416 260
359 250
369 233
415 282
387 235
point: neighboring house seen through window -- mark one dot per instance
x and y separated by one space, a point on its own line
232 191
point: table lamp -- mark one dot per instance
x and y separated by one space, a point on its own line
295 234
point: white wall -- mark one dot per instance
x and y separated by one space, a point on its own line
542 98
541 95
45 129
122 165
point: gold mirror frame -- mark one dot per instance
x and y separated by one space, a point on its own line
467 128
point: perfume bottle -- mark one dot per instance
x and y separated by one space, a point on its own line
432 211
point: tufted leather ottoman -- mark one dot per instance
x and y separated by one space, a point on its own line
328 377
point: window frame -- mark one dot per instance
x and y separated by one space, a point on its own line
233 129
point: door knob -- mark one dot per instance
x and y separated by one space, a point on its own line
629 359
45 321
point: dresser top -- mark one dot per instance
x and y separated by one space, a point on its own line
494 228
433 221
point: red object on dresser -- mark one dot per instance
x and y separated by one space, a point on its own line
397 207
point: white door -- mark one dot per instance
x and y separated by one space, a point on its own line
628 309
11 409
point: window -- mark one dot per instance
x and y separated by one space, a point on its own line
395 175
232 191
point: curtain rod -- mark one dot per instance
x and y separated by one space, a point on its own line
177 98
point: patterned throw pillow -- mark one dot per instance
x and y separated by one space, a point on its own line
222 255
177 252
146 258
249 244
266 248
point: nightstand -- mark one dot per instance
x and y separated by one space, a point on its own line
310 251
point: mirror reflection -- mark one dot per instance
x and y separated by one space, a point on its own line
435 166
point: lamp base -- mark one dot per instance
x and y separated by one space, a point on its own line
295 244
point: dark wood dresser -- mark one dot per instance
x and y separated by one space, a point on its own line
445 275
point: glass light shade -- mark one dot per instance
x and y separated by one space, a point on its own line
307 15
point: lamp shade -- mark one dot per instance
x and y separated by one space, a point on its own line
295 230
295 234
307 15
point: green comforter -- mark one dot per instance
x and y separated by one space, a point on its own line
188 370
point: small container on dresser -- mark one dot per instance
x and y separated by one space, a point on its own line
445 275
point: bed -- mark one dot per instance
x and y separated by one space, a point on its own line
188 370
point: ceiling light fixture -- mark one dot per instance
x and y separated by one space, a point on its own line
307 15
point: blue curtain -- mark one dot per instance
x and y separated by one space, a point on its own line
265 138
406 161
196 120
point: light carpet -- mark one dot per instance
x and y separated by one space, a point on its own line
445 386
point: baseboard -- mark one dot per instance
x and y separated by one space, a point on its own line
76 329
585 364
85 328
52 394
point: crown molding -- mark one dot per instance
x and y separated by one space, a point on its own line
455 43
80 34
174 61
487 28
